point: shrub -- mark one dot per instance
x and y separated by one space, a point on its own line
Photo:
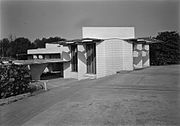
167 52
14 80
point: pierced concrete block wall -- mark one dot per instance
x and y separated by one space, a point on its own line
145 55
137 56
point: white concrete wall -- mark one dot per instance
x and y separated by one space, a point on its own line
127 55
114 56
108 32
50 48
101 59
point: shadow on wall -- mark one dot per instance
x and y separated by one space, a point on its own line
81 56
66 65
145 58
136 60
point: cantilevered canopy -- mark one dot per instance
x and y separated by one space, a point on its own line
147 40
38 61
80 41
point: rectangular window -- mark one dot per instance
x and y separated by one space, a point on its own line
91 58
74 60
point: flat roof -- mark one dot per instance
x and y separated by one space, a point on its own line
38 61
146 40
80 41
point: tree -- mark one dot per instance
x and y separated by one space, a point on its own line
4 45
20 46
11 47
167 52
41 43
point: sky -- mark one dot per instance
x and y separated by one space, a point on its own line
65 18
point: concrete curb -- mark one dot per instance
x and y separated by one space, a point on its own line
14 98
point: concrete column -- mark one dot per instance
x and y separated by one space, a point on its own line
37 70
82 59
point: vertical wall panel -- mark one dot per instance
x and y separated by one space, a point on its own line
66 55
127 56
114 56
100 59
82 60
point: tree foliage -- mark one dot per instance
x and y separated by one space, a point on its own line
41 43
20 46
4 46
167 52
11 48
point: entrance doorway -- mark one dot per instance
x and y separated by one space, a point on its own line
91 58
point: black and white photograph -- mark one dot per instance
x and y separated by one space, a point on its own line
89 62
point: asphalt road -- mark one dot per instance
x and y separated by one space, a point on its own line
149 96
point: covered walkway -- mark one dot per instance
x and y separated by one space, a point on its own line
37 66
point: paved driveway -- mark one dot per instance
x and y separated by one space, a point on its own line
145 97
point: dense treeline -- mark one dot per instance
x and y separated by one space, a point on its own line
10 48
166 52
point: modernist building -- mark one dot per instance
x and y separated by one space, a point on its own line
51 51
102 51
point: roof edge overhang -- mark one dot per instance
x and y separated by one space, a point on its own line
146 40
79 41
38 61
